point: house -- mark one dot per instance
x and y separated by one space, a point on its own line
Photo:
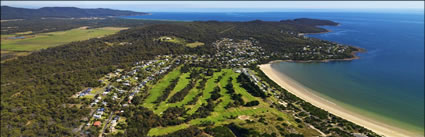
96 116
97 124
85 92
101 109
117 118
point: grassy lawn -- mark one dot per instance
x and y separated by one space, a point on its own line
51 39
209 87
225 97
182 83
165 130
158 88
220 115
181 41
245 95
189 97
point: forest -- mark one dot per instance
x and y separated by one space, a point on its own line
36 89
8 12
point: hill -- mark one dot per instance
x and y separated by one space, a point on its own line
311 22
159 86
8 12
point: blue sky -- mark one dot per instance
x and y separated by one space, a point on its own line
230 6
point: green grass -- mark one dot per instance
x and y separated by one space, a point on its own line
158 88
225 97
195 44
181 84
206 93
51 39
245 95
165 130
223 116
220 115
181 41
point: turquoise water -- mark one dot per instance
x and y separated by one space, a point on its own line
387 81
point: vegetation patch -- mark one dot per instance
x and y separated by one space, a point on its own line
165 130
157 89
195 44
181 41
52 39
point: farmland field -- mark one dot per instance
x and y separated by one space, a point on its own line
45 40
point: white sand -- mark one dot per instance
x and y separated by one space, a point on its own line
307 95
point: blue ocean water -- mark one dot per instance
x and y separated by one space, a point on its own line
387 80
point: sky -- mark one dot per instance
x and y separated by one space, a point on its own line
229 6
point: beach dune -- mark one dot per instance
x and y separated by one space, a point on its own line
307 94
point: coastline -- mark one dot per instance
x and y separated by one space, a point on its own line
353 53
308 95
326 31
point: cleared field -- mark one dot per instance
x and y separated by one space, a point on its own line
245 95
158 88
263 116
9 55
209 87
46 40
181 41
164 130
194 44
183 81
225 98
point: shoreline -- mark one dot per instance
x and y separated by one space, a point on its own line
326 31
353 53
306 94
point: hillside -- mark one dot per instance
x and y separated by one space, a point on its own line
8 12
311 22
159 84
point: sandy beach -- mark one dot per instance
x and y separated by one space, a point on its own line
306 94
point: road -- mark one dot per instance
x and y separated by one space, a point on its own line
82 125
106 124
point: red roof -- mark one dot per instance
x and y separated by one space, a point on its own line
97 123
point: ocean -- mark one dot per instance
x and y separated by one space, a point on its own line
386 83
